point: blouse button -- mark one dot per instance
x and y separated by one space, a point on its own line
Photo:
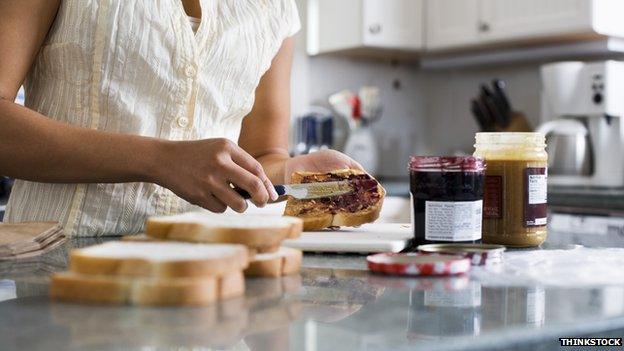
190 71
183 122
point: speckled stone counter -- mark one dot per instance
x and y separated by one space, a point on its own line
334 304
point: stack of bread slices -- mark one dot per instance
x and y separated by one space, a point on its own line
152 273
187 259
261 234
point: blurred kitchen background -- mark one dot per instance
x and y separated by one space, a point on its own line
408 76
427 59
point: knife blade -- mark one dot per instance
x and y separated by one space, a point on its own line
499 91
305 191
484 113
479 116
493 105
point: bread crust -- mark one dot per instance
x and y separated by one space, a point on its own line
286 261
83 263
175 292
141 237
260 239
231 285
145 291
68 286
316 220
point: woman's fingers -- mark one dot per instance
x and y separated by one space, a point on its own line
246 161
229 197
250 182
211 203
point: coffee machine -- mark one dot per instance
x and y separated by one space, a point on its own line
582 111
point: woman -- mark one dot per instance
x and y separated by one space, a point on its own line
130 103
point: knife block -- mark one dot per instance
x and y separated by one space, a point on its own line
517 123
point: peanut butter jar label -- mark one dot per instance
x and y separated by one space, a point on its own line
493 197
535 196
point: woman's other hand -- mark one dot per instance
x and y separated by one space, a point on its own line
201 172
320 161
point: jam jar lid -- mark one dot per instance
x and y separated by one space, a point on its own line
446 164
417 264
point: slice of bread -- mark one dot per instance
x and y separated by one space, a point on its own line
145 291
142 237
263 233
283 262
353 209
159 259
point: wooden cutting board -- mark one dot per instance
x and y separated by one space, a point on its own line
374 237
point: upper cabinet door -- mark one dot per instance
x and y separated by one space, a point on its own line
451 23
393 24
533 19
343 25
333 25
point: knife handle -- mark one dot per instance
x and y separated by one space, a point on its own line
279 189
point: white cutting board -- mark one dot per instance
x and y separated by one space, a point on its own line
374 237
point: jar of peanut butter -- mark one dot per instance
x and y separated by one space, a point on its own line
514 200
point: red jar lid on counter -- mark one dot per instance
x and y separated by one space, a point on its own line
446 164
417 264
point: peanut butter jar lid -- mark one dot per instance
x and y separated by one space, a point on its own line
446 164
479 254
417 264
511 138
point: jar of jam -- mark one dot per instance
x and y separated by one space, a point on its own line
447 199
515 206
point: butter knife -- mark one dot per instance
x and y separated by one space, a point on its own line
307 191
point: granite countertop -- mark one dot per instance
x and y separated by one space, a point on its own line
334 304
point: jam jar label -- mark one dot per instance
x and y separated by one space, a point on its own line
453 221
535 196
493 197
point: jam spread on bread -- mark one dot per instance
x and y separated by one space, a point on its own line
365 192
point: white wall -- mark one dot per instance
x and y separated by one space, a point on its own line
450 124
400 131
428 114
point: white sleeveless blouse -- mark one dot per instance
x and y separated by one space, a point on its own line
136 67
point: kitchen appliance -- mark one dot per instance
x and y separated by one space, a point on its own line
582 111
360 111
313 131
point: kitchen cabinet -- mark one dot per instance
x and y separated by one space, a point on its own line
451 23
364 24
513 19
454 24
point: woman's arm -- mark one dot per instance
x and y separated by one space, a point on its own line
23 27
265 130
36 148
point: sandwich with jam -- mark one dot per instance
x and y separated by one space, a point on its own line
361 205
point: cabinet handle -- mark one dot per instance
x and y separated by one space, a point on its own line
484 27
374 28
